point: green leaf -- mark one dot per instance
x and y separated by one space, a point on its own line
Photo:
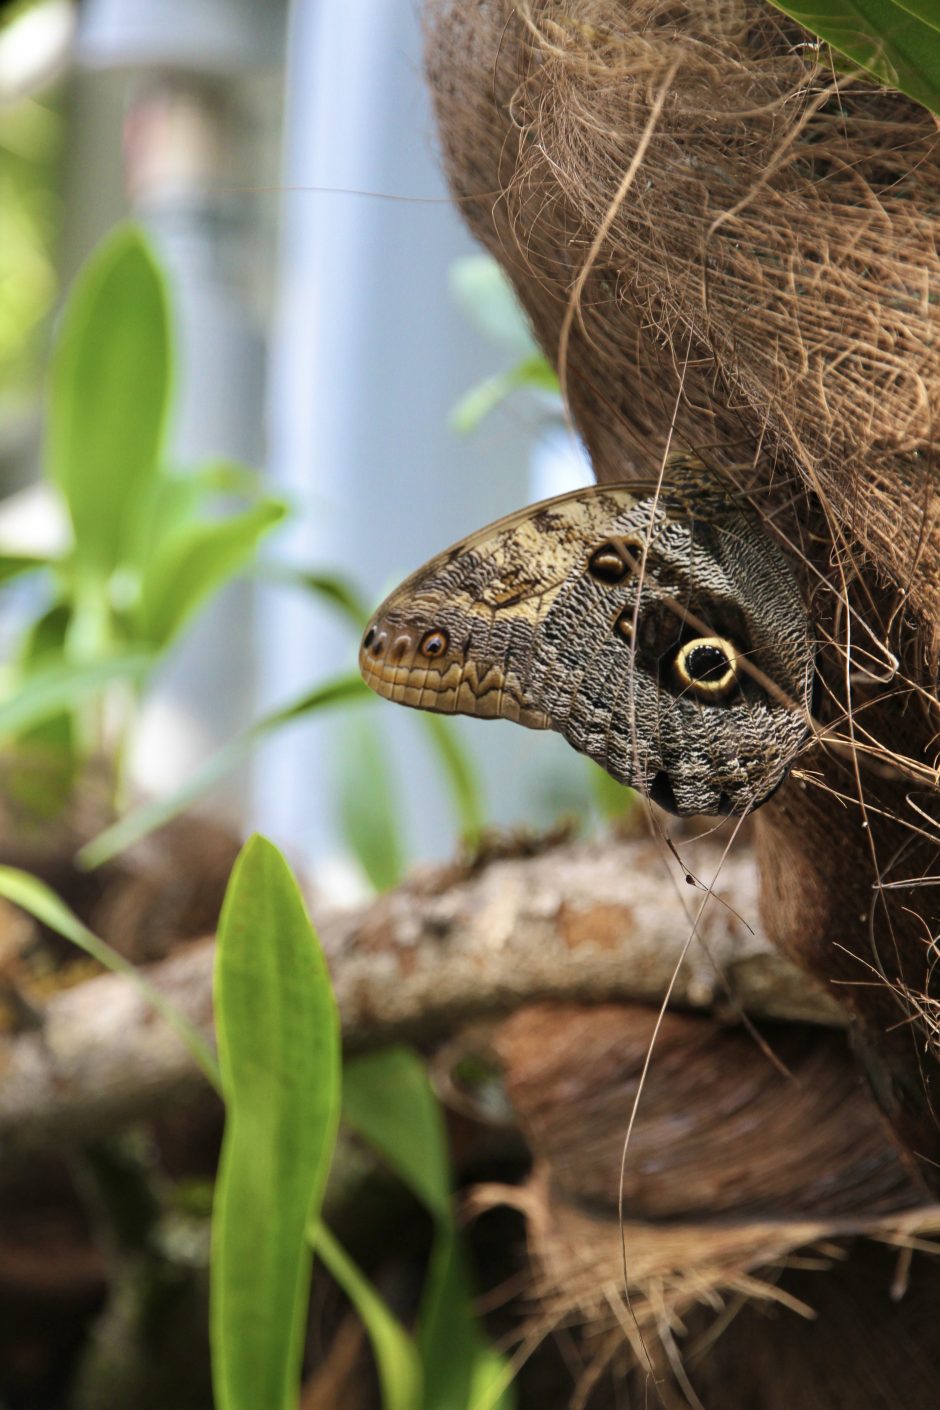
195 562
396 1356
388 1100
613 800
110 387
176 500
60 686
897 42
35 897
370 824
172 501
491 1385
459 772
461 1371
14 565
46 762
279 1053
341 690
330 588
536 373
488 301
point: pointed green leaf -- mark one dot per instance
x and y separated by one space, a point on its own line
279 1053
195 562
32 895
371 825
896 40
388 1100
476 404
61 686
396 1356
461 1371
109 393
342 690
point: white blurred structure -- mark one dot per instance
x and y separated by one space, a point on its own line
370 357
335 353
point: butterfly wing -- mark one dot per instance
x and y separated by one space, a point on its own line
659 631
459 635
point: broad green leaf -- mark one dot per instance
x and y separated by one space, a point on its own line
897 42
341 690
194 563
388 1100
279 1053
488 301
61 686
396 1356
481 400
459 772
110 387
371 825
34 896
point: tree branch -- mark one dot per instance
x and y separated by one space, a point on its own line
582 922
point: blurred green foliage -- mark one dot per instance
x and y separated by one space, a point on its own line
30 149
489 303
150 544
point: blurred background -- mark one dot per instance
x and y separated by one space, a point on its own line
332 323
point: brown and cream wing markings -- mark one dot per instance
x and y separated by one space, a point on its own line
660 631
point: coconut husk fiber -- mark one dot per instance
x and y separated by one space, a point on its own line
728 248
773 1244
768 284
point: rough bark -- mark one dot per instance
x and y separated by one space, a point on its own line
580 922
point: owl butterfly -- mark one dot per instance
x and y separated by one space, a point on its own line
662 635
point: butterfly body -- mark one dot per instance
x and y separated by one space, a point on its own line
662 633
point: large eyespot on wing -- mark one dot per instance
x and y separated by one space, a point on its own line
456 637
707 667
